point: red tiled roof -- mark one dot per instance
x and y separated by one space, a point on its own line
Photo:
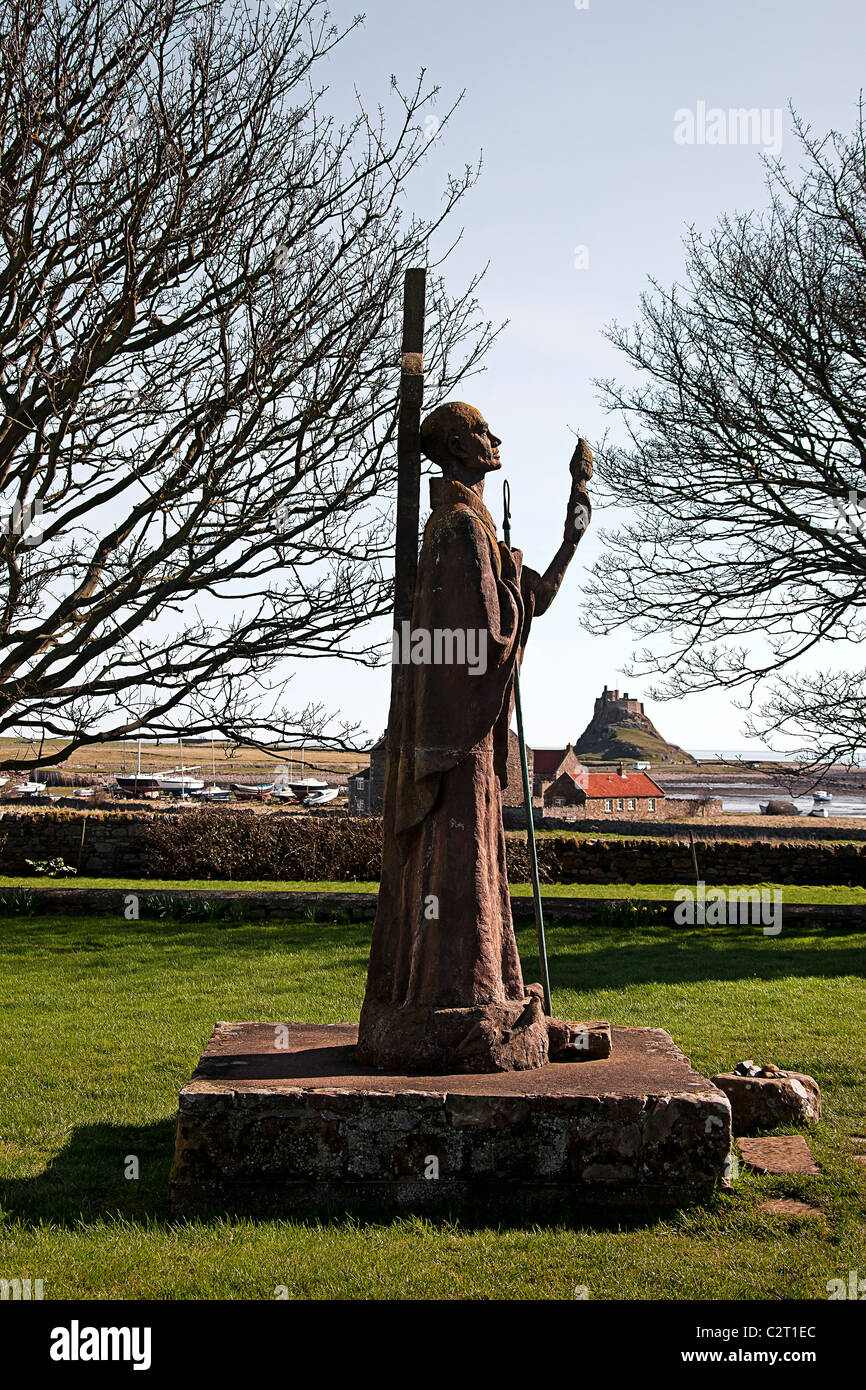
546 760
610 784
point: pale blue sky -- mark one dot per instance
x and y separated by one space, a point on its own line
574 110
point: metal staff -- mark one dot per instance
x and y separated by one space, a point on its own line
527 793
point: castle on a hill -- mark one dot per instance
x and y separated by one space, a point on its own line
612 697
621 728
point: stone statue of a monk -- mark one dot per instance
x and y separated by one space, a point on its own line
445 989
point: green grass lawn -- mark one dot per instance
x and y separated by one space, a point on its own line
101 1023
814 893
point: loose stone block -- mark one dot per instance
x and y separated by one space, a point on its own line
267 1129
779 1153
762 1102
789 1206
576 1042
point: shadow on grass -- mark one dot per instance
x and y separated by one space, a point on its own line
85 1180
64 936
581 957
85 1183
687 960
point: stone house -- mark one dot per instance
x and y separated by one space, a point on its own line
547 765
617 795
358 791
367 787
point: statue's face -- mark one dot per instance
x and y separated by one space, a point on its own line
475 445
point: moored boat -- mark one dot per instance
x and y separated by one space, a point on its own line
321 797
306 786
215 793
178 783
252 791
138 783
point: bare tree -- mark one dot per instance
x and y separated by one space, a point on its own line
199 329
746 471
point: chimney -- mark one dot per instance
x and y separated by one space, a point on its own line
621 769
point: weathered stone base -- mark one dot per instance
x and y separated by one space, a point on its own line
511 1036
282 1119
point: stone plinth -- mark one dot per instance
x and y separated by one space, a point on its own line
282 1119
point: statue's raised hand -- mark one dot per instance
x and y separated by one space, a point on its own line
579 505
580 467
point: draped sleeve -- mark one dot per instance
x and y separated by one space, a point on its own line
449 708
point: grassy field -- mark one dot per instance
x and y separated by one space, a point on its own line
841 894
101 1023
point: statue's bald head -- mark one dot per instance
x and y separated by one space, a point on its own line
456 437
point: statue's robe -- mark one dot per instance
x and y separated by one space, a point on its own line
443 936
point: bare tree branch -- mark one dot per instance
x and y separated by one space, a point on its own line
746 473
199 334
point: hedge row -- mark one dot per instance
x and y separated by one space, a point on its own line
223 844
217 843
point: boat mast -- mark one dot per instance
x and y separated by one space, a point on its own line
138 771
